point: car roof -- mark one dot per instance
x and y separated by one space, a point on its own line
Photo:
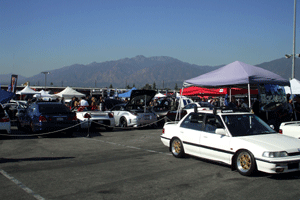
224 112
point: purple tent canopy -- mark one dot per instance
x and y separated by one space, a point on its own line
237 74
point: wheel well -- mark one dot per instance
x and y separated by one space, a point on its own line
123 118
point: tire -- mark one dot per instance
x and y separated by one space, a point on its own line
123 122
109 128
245 163
177 148
69 133
20 128
31 127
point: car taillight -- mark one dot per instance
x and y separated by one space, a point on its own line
280 131
74 118
4 119
42 119
163 131
110 115
87 115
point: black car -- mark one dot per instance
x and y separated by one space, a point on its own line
45 117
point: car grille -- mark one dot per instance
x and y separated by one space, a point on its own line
294 154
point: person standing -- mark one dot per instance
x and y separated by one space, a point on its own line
83 102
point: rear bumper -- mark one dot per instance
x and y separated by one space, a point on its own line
97 123
48 127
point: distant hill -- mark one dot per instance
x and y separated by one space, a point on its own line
161 70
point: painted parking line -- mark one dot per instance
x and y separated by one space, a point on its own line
131 147
21 185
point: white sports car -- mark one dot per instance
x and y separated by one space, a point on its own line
135 113
239 139
95 119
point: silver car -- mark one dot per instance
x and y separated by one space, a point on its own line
135 113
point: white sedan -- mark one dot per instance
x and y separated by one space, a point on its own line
291 129
200 106
239 139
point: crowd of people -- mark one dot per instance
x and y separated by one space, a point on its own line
288 111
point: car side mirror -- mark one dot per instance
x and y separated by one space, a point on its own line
221 131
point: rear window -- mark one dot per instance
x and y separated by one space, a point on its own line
53 108
2 113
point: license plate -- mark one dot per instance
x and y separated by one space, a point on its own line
147 117
59 119
100 122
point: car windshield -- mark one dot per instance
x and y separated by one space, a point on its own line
246 125
205 104
53 108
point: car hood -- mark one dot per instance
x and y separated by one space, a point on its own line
139 97
273 142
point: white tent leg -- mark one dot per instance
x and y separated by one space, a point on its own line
179 105
249 97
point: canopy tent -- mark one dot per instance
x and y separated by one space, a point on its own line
236 74
199 91
294 88
159 95
27 90
127 94
44 95
69 92
5 96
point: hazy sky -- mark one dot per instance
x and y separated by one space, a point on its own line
41 35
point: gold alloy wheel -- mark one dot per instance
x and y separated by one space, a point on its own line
244 162
177 146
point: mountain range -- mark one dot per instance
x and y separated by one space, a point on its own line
164 71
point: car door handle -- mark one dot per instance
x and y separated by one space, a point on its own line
205 136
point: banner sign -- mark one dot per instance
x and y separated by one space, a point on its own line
13 83
271 94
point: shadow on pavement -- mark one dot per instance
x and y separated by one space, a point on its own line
6 160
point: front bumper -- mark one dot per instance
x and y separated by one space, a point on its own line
278 165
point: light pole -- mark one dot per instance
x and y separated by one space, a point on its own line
45 77
294 44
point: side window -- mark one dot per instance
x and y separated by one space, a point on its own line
116 108
212 122
189 106
193 121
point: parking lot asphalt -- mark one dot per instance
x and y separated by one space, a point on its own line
123 164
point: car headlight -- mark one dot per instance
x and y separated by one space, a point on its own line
275 154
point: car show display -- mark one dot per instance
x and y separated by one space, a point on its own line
43 117
135 112
239 139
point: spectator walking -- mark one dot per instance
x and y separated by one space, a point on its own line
83 102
